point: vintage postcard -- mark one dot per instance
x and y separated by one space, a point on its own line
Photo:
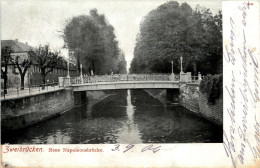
130 83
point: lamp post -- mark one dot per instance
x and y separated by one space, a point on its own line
81 75
81 70
29 78
181 64
68 63
68 68
172 66
65 47
172 76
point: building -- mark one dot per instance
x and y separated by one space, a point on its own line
33 75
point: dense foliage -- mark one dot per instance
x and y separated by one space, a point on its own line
174 30
94 43
212 86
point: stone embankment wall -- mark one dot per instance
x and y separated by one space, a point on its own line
24 111
211 112
21 112
191 98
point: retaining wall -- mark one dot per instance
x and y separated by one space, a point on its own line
188 98
191 98
21 112
212 112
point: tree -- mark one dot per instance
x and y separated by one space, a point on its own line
94 43
22 67
5 60
173 30
46 59
121 63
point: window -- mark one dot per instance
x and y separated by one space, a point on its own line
15 70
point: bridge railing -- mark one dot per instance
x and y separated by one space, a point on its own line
119 77
30 90
186 77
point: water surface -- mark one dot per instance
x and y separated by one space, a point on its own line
127 116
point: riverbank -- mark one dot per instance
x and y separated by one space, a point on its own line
128 117
192 99
24 111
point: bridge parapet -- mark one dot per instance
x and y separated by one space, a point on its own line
184 78
64 81
120 77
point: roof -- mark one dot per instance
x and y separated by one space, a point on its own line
15 45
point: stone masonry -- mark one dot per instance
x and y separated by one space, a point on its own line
21 112
191 98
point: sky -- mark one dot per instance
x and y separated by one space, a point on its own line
40 22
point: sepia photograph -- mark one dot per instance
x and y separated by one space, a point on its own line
132 72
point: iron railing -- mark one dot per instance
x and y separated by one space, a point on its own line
30 90
35 89
119 77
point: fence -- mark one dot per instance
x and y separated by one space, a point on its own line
33 89
120 77
186 78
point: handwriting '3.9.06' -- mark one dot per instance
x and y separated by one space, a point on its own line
130 146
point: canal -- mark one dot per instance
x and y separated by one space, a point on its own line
126 116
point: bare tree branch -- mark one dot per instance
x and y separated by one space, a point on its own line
49 71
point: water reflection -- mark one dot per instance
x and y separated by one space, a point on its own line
131 117
129 133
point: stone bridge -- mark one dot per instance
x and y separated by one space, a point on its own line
23 111
128 81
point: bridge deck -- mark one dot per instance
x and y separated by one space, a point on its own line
126 85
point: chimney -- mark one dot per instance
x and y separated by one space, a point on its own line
16 40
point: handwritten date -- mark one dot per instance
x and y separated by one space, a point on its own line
152 148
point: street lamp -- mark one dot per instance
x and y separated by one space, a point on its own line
81 70
81 75
172 76
68 68
65 49
29 77
172 66
181 64
68 62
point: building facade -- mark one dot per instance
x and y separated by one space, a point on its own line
33 74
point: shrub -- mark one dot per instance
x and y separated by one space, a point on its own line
212 86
